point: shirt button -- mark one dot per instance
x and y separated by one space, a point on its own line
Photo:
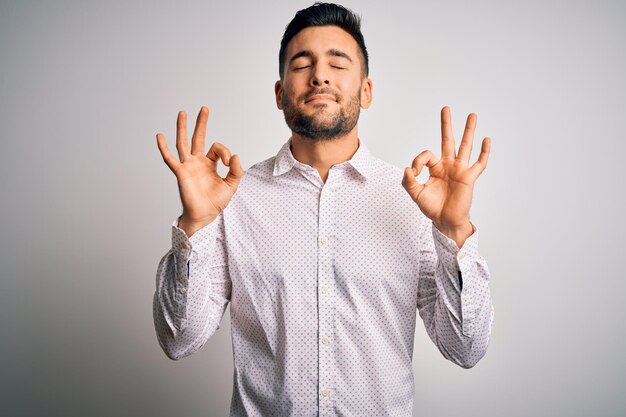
465 297
325 340
186 245
324 290
324 240
461 256
325 393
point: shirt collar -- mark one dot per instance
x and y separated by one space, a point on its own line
361 161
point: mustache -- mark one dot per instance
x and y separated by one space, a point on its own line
324 90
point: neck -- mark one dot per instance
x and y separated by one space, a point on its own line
323 154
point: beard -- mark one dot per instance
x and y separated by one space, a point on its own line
322 125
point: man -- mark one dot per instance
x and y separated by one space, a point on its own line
323 256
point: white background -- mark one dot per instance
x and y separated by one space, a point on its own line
87 202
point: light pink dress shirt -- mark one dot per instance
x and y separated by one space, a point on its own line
324 281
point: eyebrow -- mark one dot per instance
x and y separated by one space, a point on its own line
337 52
330 52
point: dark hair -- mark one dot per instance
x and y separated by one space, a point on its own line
321 14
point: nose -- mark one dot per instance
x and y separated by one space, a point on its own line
319 77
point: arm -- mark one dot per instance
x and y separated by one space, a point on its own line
454 299
193 286
453 289
192 290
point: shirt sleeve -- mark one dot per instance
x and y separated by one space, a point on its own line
454 298
192 289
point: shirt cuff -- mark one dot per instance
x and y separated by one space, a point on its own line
447 248
200 243
464 261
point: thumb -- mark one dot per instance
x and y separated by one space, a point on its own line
410 184
235 171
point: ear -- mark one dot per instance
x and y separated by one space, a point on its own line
366 93
278 91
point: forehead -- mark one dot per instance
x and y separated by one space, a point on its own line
320 39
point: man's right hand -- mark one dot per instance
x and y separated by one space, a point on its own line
203 192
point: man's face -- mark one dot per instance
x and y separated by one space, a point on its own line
323 86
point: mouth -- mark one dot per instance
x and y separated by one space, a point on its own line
320 97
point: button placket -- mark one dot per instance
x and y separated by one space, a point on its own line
325 300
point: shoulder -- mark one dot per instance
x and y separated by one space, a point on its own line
260 171
253 185
387 178
383 173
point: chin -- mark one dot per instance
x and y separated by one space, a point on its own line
325 119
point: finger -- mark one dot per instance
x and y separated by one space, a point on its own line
217 152
199 133
480 165
235 172
447 139
410 184
424 158
169 159
465 149
181 136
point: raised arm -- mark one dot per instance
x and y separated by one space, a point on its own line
193 285
454 299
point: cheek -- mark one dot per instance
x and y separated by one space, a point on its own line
291 91
296 81
350 85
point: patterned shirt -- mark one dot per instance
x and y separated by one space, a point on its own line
324 280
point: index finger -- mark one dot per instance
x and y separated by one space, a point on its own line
447 140
199 133
216 152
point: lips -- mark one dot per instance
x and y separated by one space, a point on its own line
320 97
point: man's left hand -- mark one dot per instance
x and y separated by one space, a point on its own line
447 195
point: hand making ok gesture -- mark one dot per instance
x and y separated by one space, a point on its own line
447 195
203 192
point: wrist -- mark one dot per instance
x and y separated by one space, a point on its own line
457 233
192 226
